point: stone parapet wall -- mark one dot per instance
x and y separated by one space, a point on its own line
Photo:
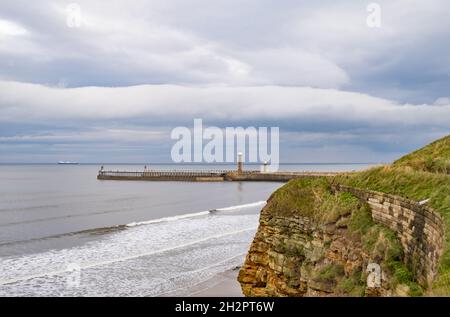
419 227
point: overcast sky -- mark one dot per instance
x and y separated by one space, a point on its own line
112 89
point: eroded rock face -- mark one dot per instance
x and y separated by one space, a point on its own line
292 256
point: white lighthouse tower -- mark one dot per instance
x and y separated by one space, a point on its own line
240 163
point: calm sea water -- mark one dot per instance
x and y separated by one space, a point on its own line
63 232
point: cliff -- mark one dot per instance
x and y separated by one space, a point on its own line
330 236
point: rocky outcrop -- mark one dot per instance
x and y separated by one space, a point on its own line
292 256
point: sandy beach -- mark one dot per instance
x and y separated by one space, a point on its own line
224 284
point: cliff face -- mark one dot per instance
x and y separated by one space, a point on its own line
321 237
293 256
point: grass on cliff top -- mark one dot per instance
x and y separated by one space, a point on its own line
405 182
311 198
434 157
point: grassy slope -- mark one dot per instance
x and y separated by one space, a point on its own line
423 174
433 158
420 175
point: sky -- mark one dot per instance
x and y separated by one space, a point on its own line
109 82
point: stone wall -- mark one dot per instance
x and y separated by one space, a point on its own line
419 228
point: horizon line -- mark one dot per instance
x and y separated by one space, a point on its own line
192 163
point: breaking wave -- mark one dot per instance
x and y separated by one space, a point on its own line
138 259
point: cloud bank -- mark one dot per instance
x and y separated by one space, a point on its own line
112 89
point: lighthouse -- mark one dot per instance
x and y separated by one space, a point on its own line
240 163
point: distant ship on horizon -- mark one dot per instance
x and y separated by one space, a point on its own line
67 163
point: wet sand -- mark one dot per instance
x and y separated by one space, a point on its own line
224 284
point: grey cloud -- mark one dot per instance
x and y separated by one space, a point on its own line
311 120
143 67
325 45
29 102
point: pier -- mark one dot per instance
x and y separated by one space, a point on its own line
238 175
165 175
208 176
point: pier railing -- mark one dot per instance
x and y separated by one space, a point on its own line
165 173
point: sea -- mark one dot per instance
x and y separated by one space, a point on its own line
65 233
